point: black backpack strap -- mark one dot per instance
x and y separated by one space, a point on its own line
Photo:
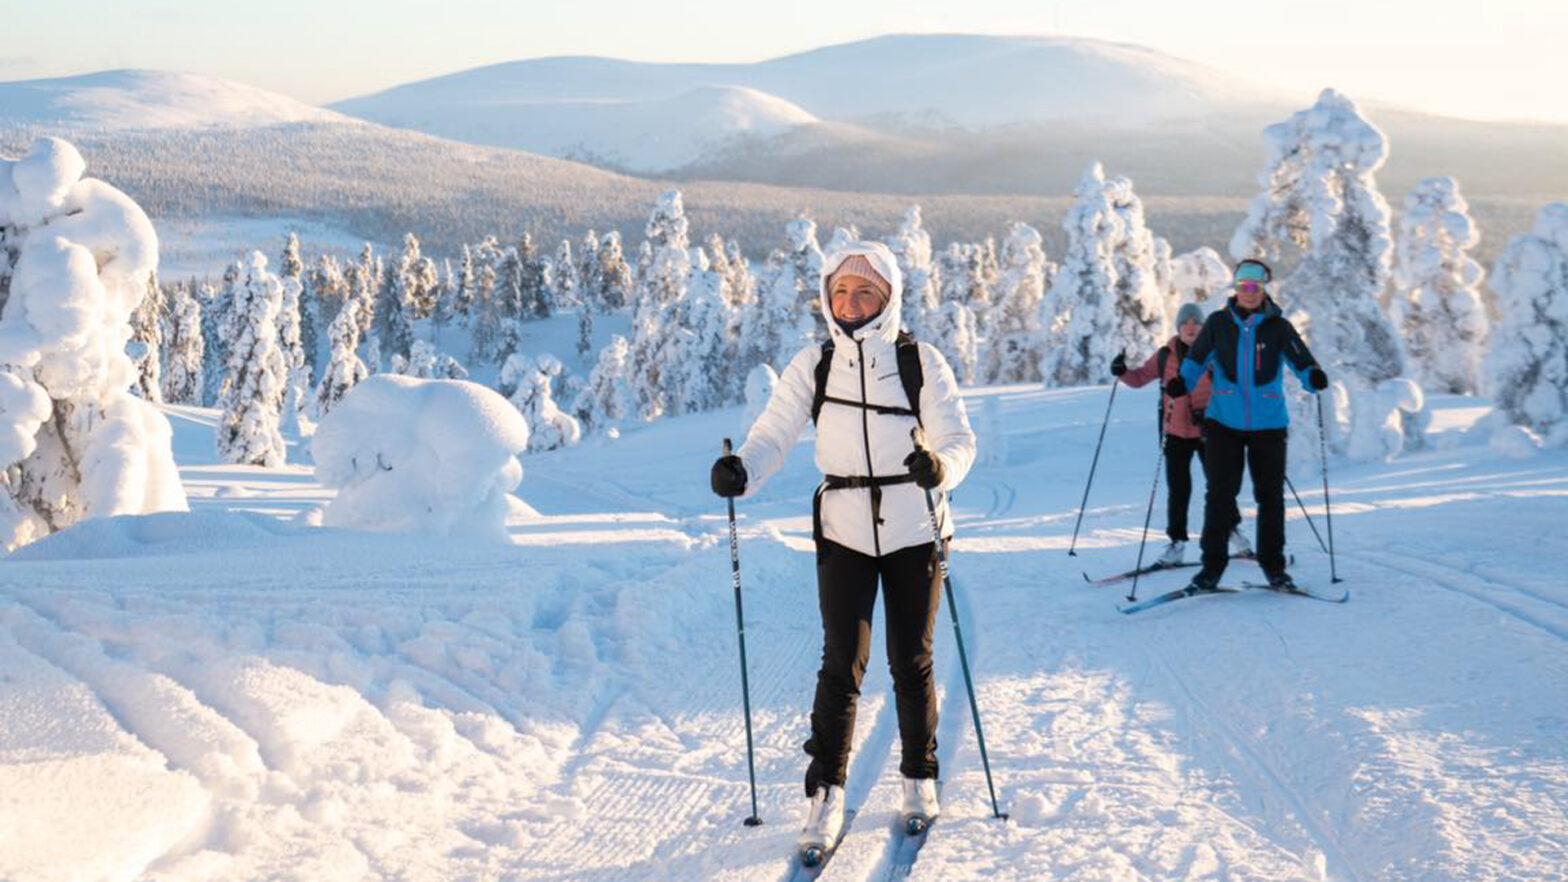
910 372
824 365
1160 359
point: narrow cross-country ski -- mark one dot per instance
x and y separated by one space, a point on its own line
909 838
1124 576
1337 595
1178 594
810 861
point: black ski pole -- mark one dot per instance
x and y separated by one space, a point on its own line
958 636
1132 593
740 630
1304 511
1328 511
1092 466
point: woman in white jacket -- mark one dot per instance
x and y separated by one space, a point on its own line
871 517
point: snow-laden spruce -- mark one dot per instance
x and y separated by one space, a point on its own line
1437 297
148 324
661 282
608 399
1013 348
911 245
74 442
254 386
1527 367
780 320
1104 299
531 381
961 320
434 457
1320 209
344 370
185 349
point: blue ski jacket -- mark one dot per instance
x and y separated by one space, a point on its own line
1246 355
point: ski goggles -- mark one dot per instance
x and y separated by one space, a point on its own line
1248 287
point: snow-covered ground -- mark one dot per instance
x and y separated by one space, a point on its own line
227 695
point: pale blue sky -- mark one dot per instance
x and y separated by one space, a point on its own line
1497 59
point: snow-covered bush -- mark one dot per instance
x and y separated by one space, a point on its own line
1527 367
74 442
420 456
531 380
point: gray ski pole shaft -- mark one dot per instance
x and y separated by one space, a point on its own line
1072 546
958 637
1328 510
745 684
1303 506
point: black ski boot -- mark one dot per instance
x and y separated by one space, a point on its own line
1206 580
1281 581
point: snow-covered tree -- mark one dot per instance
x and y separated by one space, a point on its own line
1320 207
326 288
293 268
253 392
486 311
911 246
74 443
296 388
184 348
615 281
344 369
662 282
1527 366
952 330
700 361
533 280
956 327
425 362
215 306
1200 276
1012 354
779 322
1437 298
564 282
147 324
1103 299
608 400
530 378
462 299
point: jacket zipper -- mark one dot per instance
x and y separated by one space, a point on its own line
865 432
1246 372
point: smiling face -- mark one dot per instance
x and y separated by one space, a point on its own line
854 299
1189 330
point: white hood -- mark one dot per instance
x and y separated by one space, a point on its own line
885 325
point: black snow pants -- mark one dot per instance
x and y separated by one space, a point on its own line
1179 452
1226 453
847 593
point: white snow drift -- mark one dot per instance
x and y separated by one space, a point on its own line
427 456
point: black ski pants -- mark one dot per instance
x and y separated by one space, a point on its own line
1178 476
1226 453
847 593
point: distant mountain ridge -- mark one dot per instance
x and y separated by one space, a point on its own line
149 99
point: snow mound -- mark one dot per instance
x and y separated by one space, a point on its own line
1516 442
420 456
162 533
148 99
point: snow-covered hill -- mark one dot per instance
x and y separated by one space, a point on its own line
652 116
225 695
148 99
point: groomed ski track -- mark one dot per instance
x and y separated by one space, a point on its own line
321 705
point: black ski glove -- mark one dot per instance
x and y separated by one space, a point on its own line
1317 379
926 467
729 476
1177 387
1119 365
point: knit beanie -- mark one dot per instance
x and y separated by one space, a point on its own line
1189 312
858 266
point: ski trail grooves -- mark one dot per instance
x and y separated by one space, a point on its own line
1265 775
1445 577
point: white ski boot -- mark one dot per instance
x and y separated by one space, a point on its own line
1173 555
824 823
1239 546
920 804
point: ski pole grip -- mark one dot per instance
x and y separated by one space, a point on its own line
726 447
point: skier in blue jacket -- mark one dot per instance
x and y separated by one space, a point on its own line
1247 345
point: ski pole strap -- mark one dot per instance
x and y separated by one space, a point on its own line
853 482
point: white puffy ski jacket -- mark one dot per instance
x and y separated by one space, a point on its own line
855 442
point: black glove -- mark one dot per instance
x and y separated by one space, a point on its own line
1317 379
729 476
1177 387
1119 365
926 467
